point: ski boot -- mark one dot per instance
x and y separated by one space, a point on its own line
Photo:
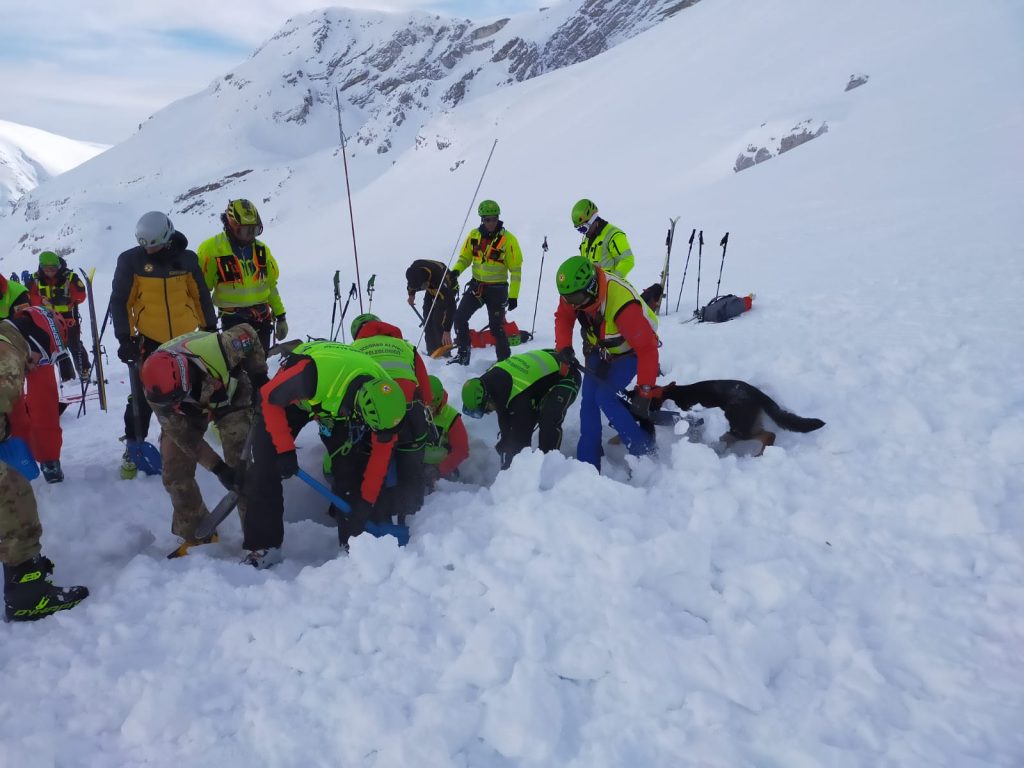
187 544
462 358
52 472
128 469
261 559
29 594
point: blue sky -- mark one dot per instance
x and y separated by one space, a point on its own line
95 70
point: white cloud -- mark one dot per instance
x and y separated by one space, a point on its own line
96 70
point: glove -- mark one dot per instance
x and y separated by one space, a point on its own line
566 356
640 401
287 464
454 273
226 475
127 350
512 304
282 327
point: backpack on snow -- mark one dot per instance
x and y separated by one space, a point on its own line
723 308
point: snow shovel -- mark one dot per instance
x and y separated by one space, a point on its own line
224 507
142 453
16 454
400 532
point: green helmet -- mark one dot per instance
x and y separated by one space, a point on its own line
437 390
583 211
381 404
474 398
489 208
362 320
49 259
576 275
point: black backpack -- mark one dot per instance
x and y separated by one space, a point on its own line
723 308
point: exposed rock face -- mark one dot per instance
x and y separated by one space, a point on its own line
799 134
856 81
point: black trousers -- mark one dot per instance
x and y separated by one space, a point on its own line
259 317
148 347
518 424
492 295
263 526
79 360
440 320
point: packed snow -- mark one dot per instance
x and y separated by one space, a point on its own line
852 598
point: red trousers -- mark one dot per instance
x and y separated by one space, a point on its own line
36 415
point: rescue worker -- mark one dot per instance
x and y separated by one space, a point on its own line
620 343
604 244
42 402
58 288
384 343
242 274
451 448
190 381
30 337
357 406
528 391
440 291
497 271
157 294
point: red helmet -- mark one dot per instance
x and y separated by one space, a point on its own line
165 378
45 330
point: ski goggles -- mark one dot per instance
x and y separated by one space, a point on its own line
578 298
247 232
582 228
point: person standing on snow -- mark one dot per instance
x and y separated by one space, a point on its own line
451 448
497 271
58 288
620 343
30 337
440 289
190 381
242 274
527 391
604 244
158 293
356 405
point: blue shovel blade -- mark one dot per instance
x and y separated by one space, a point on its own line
15 452
145 456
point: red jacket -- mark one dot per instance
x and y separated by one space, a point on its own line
421 391
632 323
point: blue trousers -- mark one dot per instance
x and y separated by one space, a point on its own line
599 396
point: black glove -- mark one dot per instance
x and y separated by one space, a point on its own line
512 303
227 476
454 273
127 350
640 404
566 356
287 464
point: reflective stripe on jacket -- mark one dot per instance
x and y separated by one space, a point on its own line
240 276
495 260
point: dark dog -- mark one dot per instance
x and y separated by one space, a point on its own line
743 405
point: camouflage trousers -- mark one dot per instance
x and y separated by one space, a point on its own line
19 519
179 471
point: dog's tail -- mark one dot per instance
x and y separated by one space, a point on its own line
788 420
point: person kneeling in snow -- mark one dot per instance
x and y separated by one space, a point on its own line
190 381
620 343
452 446
32 336
527 391
360 410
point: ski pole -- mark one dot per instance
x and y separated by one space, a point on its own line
348 191
341 323
543 253
337 300
686 266
725 244
700 250
369 292
669 237
447 266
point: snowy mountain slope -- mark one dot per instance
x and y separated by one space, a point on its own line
29 156
273 118
850 599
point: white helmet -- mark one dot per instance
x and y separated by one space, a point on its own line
154 229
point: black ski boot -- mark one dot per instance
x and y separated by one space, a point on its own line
462 358
52 471
29 594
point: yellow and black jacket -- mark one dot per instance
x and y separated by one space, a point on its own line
161 295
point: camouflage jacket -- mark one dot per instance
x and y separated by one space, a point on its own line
227 385
13 364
